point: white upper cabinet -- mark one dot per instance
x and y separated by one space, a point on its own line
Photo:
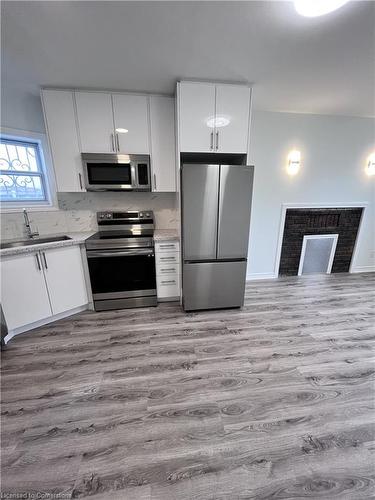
196 109
113 123
131 123
64 277
103 122
163 143
213 117
59 115
95 122
24 296
232 118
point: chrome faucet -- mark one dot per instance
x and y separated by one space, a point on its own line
30 233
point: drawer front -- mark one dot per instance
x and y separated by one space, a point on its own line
167 246
167 286
167 269
167 258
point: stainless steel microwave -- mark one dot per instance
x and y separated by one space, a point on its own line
116 172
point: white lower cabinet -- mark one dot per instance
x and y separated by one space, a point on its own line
42 284
24 296
167 270
65 280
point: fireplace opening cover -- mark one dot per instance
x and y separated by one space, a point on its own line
317 254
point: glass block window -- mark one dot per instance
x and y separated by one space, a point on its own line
21 174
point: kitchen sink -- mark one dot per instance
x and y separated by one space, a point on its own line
35 241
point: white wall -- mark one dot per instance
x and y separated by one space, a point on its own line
334 152
21 109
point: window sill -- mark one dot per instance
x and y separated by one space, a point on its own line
35 208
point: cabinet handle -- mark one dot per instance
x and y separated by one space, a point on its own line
154 181
217 140
45 260
113 142
167 246
80 181
168 282
167 258
168 269
38 262
211 141
118 142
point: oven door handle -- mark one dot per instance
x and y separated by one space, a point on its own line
121 253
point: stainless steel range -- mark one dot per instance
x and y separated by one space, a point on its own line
121 260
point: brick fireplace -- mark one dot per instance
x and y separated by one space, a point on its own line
300 222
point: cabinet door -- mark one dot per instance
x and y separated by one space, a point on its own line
59 115
65 279
24 296
131 115
196 117
163 142
232 104
95 122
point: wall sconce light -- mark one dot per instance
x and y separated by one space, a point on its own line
370 167
294 162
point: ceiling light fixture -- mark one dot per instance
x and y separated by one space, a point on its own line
315 8
122 130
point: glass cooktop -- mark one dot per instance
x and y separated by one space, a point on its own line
106 235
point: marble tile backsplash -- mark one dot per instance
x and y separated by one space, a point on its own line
77 212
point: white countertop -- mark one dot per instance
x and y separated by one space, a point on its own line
166 235
77 238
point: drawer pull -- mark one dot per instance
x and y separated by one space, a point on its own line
168 282
172 245
168 269
167 258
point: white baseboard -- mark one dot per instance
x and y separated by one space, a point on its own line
42 322
261 276
363 269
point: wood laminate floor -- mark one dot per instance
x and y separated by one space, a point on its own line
274 401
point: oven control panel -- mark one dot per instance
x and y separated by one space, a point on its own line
125 216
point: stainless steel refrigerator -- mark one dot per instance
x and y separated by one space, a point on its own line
216 207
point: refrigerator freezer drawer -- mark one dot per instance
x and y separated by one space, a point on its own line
213 285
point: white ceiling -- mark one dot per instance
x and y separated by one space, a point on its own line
321 65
